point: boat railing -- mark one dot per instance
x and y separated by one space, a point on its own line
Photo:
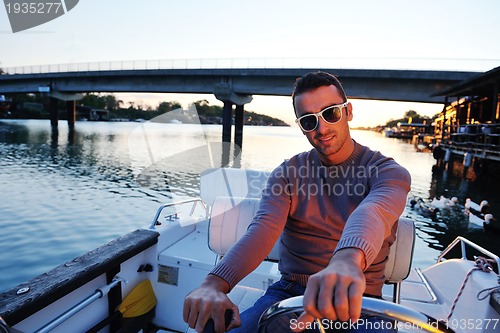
463 245
99 293
174 215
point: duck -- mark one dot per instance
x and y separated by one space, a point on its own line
426 211
452 202
443 202
474 208
412 201
483 220
490 223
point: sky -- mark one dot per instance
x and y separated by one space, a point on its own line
444 34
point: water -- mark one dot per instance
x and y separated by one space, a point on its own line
63 193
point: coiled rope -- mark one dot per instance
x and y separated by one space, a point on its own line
481 264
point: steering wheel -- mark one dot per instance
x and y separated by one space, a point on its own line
370 306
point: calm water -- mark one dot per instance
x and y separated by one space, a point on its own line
63 193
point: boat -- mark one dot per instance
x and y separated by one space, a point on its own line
407 130
4 104
139 281
389 132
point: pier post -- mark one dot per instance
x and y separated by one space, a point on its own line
227 117
496 105
54 118
71 113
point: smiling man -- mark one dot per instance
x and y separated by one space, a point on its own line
335 208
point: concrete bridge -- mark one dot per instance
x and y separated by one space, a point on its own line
232 86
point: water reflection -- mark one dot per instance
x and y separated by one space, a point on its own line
80 188
180 173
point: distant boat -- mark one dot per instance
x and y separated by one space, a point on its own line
389 132
4 103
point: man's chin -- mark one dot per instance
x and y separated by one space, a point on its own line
326 151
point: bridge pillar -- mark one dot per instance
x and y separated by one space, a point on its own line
224 93
54 117
71 112
70 99
227 116
238 125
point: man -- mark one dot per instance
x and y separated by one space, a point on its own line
335 208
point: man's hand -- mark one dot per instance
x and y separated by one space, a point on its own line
342 282
210 301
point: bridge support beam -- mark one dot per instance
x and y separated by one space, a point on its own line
227 116
227 120
224 93
71 112
70 99
238 125
54 114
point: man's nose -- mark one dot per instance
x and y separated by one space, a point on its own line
322 125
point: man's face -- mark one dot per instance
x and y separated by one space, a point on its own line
332 141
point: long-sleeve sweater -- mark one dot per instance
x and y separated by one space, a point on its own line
318 210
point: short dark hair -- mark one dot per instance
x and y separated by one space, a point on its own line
314 80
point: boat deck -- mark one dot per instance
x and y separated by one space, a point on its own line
183 265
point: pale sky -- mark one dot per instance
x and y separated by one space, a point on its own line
444 34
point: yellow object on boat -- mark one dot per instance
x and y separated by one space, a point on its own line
139 301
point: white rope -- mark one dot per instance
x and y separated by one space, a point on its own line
488 291
481 264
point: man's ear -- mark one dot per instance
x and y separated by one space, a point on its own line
349 111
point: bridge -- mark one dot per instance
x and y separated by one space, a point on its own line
233 86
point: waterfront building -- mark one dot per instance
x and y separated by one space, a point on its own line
468 129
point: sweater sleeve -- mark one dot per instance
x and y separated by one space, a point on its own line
262 234
371 222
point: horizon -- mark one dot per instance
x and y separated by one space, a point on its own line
383 34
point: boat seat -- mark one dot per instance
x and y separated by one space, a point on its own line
229 182
229 221
398 264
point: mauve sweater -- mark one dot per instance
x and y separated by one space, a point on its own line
319 210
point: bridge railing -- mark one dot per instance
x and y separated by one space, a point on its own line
474 65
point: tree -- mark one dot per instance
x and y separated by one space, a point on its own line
95 101
412 114
168 106
205 109
409 116
111 102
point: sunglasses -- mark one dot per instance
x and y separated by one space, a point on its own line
330 115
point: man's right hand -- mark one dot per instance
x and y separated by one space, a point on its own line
210 301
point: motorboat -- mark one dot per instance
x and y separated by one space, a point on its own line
138 282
